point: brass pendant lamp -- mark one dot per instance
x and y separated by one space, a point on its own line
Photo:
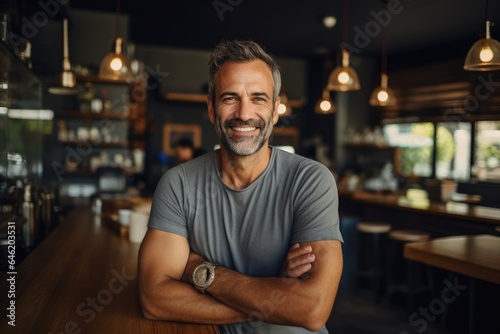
284 108
115 65
344 78
383 95
325 105
484 55
66 79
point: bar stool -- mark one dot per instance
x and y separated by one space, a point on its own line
399 279
372 237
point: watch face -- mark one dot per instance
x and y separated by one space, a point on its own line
201 276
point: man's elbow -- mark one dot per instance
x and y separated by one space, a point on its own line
148 315
316 313
148 308
315 320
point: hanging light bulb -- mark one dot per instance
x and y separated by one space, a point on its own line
484 55
284 109
115 65
383 96
344 78
324 105
66 81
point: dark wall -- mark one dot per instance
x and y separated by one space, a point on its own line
185 71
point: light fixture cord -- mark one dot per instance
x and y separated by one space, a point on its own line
384 51
346 21
117 18
486 14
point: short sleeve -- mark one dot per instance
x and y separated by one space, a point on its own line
315 205
167 210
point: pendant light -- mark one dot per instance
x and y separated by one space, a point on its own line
484 55
115 65
344 78
324 105
66 80
284 109
383 95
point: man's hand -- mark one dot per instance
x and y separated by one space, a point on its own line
298 261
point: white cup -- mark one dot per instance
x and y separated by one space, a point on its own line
138 226
124 216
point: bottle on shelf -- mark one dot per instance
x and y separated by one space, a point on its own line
4 27
28 210
96 105
27 55
106 102
24 53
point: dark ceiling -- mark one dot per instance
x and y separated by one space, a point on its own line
294 28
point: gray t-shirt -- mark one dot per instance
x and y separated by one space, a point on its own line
249 230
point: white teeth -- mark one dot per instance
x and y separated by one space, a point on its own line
245 129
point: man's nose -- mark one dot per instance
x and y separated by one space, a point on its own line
244 110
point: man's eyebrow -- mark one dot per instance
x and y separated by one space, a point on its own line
261 94
224 94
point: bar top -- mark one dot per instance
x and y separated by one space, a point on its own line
450 209
80 279
476 256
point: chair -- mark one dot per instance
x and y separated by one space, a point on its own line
403 275
372 238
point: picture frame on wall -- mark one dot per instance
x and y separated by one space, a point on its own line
173 132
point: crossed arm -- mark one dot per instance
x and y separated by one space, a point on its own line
303 297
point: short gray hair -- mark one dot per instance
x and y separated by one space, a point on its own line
240 51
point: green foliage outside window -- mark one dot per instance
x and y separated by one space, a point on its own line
411 156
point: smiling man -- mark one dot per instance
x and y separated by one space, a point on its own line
247 236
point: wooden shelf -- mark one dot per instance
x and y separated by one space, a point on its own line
87 172
96 79
369 146
87 115
184 97
118 144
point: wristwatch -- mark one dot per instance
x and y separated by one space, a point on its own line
204 275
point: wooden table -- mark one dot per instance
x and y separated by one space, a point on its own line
81 279
476 256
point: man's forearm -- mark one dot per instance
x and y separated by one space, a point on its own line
178 301
304 302
287 301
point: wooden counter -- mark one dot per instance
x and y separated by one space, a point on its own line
476 256
442 218
81 279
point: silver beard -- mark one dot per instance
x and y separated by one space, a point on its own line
248 145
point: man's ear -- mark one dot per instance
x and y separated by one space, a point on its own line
276 115
210 108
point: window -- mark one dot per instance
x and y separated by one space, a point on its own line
453 147
487 157
416 142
